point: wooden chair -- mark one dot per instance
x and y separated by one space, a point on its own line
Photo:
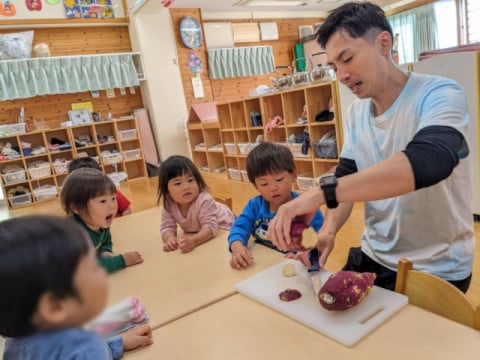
436 295
224 200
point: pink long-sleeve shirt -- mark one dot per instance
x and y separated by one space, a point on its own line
204 212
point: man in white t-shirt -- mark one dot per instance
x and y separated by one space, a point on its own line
405 155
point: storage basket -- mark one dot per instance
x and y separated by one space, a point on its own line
244 148
306 181
20 199
118 177
244 175
127 134
230 148
39 170
12 129
296 150
112 159
45 192
326 146
234 174
13 174
60 166
132 154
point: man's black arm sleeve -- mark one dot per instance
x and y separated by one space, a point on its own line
434 152
345 167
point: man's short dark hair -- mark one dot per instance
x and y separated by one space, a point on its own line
38 254
269 158
355 18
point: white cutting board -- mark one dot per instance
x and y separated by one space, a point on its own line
346 327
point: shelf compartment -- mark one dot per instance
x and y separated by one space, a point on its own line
20 200
14 176
293 106
132 154
127 134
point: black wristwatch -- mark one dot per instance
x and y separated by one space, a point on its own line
328 183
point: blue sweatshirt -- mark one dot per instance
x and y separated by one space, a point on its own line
254 220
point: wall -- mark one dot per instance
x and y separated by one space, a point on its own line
234 88
73 41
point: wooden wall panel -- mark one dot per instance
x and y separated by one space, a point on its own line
225 90
75 41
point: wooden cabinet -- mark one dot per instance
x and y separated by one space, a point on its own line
40 169
206 146
301 109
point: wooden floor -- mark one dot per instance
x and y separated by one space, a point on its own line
143 195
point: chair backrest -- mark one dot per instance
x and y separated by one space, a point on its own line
436 295
224 200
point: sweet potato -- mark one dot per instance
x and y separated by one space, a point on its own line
345 289
303 236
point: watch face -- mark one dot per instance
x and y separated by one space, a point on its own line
329 180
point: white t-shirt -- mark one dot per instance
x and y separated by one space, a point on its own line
433 226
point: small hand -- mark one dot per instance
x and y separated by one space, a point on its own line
241 256
301 256
132 258
185 244
171 244
137 337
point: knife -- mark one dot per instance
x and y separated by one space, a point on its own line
314 270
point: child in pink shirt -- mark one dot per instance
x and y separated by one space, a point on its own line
187 203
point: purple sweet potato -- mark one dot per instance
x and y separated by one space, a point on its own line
345 289
303 237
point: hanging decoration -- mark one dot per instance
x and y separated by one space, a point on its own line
33 5
194 63
7 8
167 3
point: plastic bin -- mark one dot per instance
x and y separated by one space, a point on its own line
38 171
45 192
306 181
14 176
230 148
20 200
12 129
60 166
132 154
235 174
112 159
244 175
244 148
127 134
118 177
296 150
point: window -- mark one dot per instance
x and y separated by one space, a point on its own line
472 15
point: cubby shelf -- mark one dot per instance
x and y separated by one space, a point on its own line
115 144
238 131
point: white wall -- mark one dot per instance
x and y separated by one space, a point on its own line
152 35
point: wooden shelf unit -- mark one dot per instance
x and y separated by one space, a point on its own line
238 133
118 136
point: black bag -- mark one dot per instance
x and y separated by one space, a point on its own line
326 147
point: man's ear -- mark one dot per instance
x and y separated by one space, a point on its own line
51 311
384 41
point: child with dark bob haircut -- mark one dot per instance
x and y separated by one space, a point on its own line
187 203
51 286
89 197
123 204
271 169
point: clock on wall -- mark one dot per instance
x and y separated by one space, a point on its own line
190 32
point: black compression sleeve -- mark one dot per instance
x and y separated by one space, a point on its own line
345 167
434 152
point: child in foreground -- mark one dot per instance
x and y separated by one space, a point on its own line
51 286
123 204
271 169
187 203
89 197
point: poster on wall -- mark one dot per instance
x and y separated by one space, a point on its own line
88 9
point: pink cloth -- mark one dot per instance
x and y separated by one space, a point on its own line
204 212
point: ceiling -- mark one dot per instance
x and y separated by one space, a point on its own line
313 8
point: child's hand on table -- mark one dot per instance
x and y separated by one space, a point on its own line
185 244
137 337
132 258
171 244
241 256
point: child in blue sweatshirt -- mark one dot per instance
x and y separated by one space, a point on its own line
271 169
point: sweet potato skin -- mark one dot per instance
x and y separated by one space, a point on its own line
296 231
345 289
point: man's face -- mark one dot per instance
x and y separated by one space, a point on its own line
358 63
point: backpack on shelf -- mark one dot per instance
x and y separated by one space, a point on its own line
326 146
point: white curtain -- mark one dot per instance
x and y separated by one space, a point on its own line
65 74
240 61
418 32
